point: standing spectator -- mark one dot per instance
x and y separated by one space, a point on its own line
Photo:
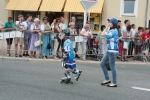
22 27
53 24
127 38
90 40
124 28
85 32
112 37
9 26
138 42
131 44
28 35
119 23
64 26
35 32
72 33
57 30
47 42
120 44
77 27
102 40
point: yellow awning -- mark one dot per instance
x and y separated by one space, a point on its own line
12 4
52 5
75 6
27 5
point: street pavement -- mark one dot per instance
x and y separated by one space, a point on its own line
38 80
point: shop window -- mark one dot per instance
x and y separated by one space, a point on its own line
129 7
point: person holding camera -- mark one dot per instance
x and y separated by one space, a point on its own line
85 32
112 37
22 27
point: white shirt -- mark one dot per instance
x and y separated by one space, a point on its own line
22 26
85 38
33 27
43 27
123 29
133 33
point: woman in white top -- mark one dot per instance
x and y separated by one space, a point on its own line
85 32
127 38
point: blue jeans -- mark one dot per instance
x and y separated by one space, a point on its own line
111 57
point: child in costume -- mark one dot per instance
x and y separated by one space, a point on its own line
68 61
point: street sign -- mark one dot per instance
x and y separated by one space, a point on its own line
88 4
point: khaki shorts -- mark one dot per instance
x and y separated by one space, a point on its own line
18 40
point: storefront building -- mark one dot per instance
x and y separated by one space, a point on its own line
56 8
134 10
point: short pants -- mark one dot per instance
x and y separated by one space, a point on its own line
9 41
18 40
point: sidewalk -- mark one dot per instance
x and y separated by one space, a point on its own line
89 59
27 59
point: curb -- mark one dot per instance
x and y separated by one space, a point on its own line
78 61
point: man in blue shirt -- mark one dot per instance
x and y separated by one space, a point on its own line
9 26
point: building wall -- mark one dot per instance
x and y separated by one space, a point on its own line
104 13
4 13
149 10
111 9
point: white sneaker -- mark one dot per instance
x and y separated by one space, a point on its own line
8 55
84 59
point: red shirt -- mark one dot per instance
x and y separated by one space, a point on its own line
144 36
96 43
148 35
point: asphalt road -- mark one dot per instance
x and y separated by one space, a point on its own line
39 81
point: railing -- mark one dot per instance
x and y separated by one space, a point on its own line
92 53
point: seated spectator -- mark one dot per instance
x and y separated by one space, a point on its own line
138 42
35 29
145 38
96 45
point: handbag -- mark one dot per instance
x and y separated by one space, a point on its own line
49 46
38 43
108 66
125 45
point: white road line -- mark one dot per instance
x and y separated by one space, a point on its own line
139 88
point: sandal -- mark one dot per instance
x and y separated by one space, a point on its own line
122 60
126 60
